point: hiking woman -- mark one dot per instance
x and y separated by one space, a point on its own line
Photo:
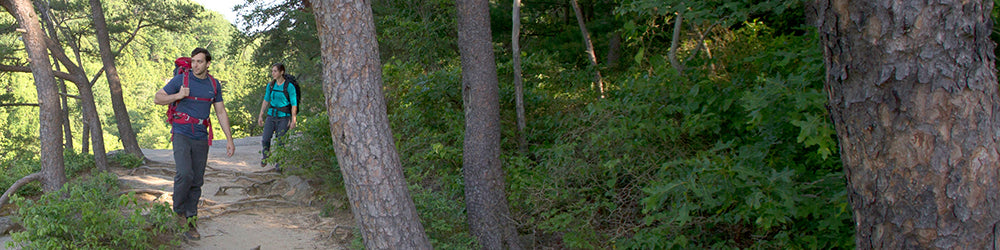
281 105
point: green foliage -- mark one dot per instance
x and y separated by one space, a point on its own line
427 121
15 169
304 151
125 160
77 164
88 214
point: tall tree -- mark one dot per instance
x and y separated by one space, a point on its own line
359 125
125 132
53 174
515 44
913 96
591 55
485 199
45 11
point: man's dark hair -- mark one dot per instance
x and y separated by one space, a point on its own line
281 67
208 56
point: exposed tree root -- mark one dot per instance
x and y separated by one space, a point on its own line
17 185
155 192
161 170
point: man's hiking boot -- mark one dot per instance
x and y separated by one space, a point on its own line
192 234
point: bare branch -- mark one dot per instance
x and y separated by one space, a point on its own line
18 104
25 69
18 184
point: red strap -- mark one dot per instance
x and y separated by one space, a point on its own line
184 118
215 88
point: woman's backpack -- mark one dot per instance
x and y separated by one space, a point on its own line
298 93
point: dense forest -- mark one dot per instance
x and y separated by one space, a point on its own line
641 124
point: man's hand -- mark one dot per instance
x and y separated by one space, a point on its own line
184 92
291 124
260 120
230 148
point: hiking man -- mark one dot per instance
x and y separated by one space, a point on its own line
195 93
281 104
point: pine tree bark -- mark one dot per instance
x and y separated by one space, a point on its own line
125 132
913 96
45 12
485 199
50 136
359 125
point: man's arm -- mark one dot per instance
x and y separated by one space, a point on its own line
162 98
220 112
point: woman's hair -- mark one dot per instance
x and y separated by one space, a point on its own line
281 67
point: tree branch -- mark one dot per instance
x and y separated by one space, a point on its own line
131 38
18 104
25 69
23 181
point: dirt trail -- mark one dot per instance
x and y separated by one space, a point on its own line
243 206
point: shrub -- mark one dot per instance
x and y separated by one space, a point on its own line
125 160
89 214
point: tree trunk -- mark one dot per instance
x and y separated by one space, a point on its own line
590 48
913 96
522 142
67 129
485 199
674 43
614 49
125 132
90 117
45 11
84 136
51 155
359 125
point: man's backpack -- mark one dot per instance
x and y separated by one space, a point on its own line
182 66
298 93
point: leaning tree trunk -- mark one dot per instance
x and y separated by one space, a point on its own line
515 42
913 95
50 136
485 199
362 139
125 132
92 121
46 12
591 55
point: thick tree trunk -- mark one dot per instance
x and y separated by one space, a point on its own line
913 96
363 141
522 142
51 155
45 11
485 199
591 55
84 136
125 132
